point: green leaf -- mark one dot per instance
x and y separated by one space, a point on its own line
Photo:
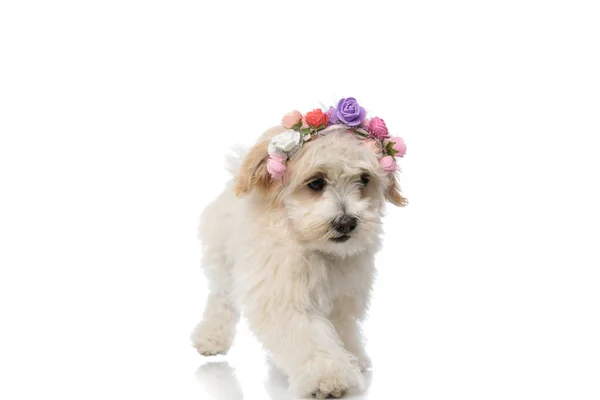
390 148
305 131
321 126
297 126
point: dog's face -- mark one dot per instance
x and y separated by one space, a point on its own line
332 193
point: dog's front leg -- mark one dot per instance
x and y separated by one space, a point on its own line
305 344
349 330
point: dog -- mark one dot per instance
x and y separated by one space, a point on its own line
296 253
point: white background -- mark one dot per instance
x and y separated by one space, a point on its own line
115 117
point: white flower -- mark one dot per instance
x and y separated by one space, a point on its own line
273 151
285 141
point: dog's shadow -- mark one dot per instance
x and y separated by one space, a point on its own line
220 382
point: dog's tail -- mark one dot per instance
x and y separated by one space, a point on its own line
233 160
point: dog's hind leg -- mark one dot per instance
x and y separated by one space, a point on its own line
214 335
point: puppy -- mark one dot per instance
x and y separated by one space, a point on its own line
295 251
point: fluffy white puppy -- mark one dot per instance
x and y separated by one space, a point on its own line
297 256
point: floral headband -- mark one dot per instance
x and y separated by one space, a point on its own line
348 113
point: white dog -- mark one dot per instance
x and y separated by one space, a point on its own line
296 255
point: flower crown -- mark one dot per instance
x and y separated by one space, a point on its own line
348 113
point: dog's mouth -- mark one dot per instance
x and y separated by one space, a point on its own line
340 239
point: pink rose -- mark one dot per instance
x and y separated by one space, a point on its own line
377 128
276 167
374 146
399 146
388 164
292 118
278 157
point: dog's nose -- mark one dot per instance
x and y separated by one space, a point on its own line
345 224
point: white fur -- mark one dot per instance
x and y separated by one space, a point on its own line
303 295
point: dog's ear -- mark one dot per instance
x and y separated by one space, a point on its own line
253 173
392 192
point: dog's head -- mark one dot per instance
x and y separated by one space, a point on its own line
332 193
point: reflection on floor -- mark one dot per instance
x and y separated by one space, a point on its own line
219 380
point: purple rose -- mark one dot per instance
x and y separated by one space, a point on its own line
349 112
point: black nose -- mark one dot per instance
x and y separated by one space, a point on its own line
344 224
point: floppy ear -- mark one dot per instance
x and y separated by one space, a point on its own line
392 192
253 173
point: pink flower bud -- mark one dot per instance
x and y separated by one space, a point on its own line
292 118
388 164
399 146
276 167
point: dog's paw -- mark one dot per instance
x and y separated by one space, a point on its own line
210 343
209 347
332 386
324 377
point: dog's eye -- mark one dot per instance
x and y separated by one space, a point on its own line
317 185
364 178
